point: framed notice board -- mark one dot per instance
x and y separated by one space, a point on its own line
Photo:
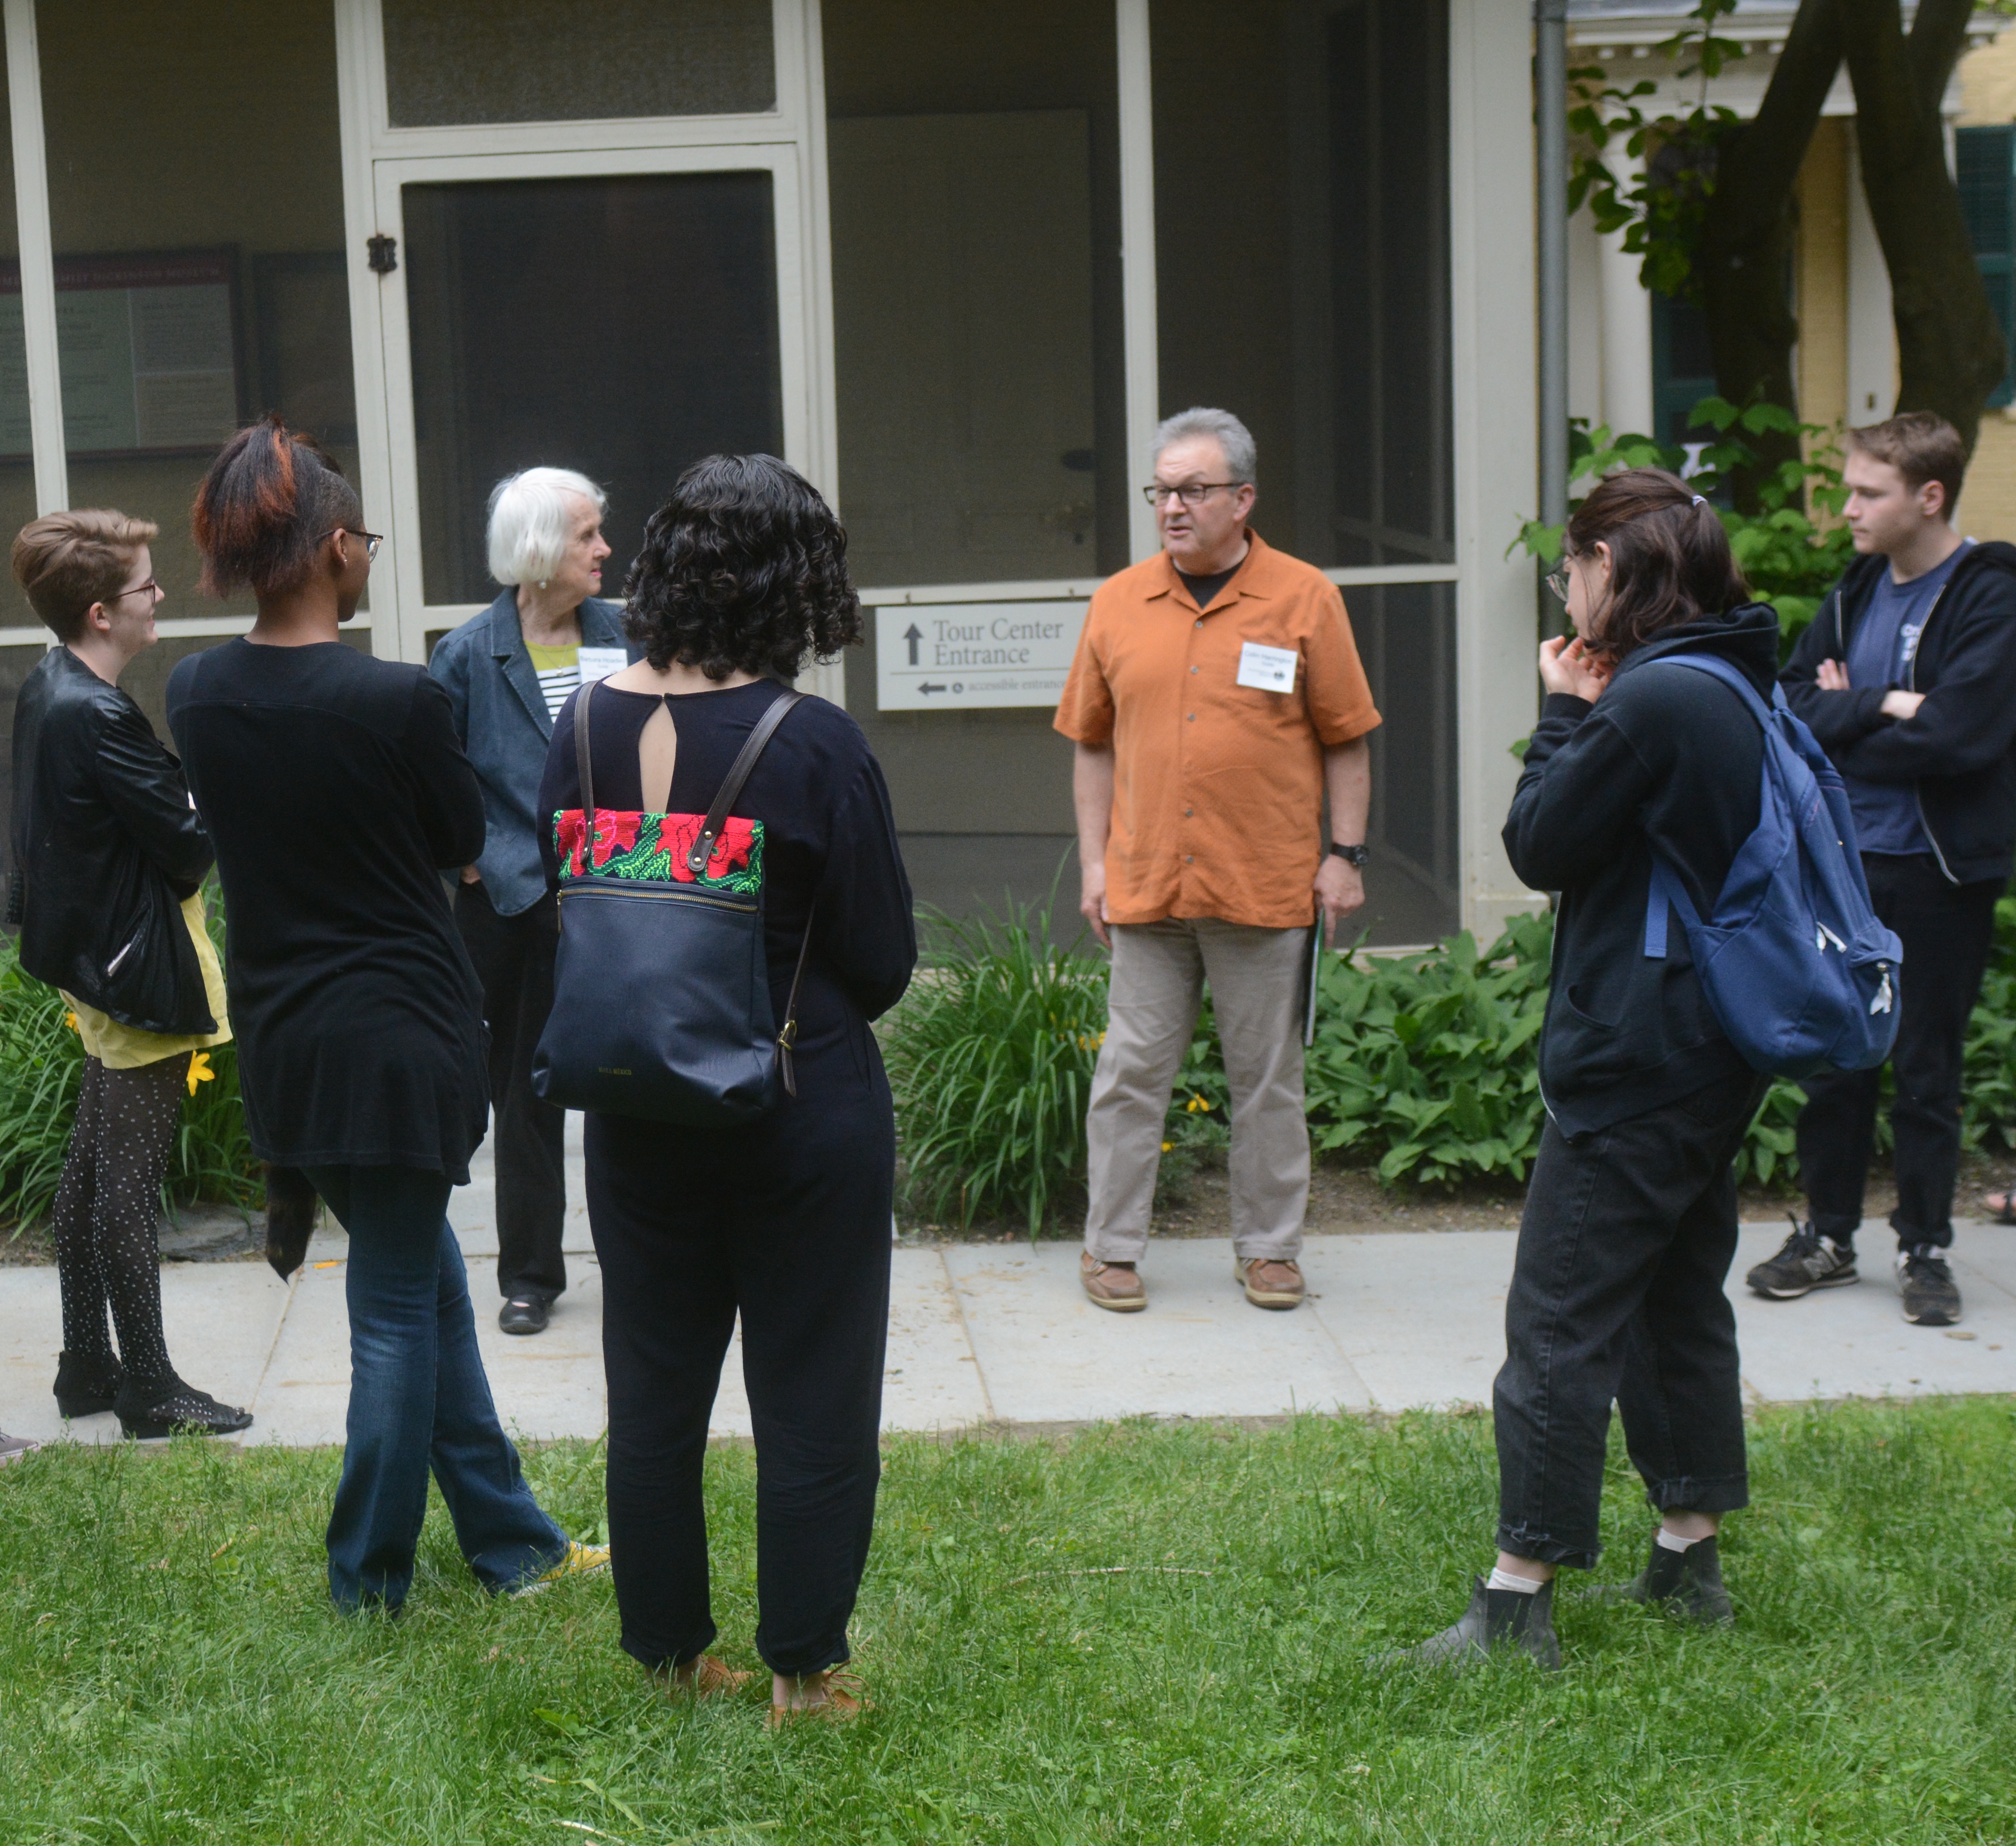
151 349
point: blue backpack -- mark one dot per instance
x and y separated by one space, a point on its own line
1799 972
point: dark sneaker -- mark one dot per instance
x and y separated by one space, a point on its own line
1687 1582
150 1415
1808 1261
1494 1621
1924 1279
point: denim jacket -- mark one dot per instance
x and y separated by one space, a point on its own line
500 714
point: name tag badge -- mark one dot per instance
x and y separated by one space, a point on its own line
599 663
1267 669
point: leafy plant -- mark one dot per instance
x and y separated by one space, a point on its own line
990 1058
41 1065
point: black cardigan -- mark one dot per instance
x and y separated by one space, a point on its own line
828 832
337 793
1959 753
1667 758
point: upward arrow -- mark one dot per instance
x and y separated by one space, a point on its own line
913 635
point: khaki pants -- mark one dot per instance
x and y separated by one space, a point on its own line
1256 978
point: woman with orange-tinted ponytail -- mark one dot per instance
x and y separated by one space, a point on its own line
336 794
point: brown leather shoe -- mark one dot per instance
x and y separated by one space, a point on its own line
1269 1284
846 1699
1113 1285
706 1678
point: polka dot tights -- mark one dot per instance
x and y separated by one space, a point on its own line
107 1214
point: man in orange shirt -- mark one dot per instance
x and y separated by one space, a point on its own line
1215 699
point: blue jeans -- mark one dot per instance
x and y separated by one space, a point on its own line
418 1397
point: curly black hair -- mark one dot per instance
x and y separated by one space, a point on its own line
743 570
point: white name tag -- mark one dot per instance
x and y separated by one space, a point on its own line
1267 669
599 663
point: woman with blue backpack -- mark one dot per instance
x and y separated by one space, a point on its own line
1648 796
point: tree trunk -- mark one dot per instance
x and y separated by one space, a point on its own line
1745 249
1948 342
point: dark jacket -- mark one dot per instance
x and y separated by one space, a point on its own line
1960 752
337 793
107 848
500 715
1666 759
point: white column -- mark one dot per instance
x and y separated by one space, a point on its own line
1872 330
1137 264
1627 332
38 273
1492 277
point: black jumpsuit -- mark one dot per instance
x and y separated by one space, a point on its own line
786 1221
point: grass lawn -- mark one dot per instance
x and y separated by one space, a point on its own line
169 1669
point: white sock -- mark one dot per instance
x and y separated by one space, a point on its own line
1504 1579
1673 1541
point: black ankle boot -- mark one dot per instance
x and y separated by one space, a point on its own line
150 1410
84 1386
1688 1582
1496 1619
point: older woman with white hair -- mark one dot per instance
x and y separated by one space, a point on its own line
508 672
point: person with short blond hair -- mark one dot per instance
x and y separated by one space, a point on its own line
106 886
1907 676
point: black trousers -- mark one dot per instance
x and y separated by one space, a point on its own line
1618 1294
514 960
787 1223
1947 931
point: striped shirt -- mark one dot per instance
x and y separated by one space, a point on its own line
559 669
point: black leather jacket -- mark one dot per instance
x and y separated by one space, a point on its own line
105 848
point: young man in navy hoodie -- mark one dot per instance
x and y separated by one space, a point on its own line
1907 676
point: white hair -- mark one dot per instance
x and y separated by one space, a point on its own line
530 524
1241 458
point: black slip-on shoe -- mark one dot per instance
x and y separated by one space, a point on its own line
525 1314
1496 1620
84 1386
1806 1261
1687 1582
148 1415
1925 1280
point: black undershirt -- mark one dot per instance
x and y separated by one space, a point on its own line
1203 588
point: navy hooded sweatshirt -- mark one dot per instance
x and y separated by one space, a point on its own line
1667 758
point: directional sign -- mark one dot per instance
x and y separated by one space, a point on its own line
959 656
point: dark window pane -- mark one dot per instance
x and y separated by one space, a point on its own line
1982 161
1406 636
622 326
975 187
1302 218
465 61
1683 370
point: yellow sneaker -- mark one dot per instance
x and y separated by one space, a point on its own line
580 1561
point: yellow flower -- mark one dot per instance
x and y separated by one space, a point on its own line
1195 1103
1167 1145
70 1019
199 1070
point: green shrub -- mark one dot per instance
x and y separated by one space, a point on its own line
1425 1067
991 1057
41 1063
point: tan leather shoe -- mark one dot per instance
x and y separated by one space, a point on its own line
1269 1284
1116 1286
846 1699
706 1678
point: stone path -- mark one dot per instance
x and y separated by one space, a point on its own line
982 1333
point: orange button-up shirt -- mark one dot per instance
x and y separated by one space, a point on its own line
1217 788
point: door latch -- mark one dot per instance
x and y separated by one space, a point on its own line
384 257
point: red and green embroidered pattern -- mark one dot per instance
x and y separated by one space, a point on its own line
654 847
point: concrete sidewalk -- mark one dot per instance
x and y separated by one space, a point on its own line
983 1333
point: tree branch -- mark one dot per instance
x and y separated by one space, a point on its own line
1938 36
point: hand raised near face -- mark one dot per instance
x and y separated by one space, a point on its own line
1567 666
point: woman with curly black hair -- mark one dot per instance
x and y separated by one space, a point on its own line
742 580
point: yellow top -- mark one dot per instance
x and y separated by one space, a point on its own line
126 1047
544 660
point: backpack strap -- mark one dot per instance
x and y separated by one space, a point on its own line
1663 891
1734 678
778 709
585 773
